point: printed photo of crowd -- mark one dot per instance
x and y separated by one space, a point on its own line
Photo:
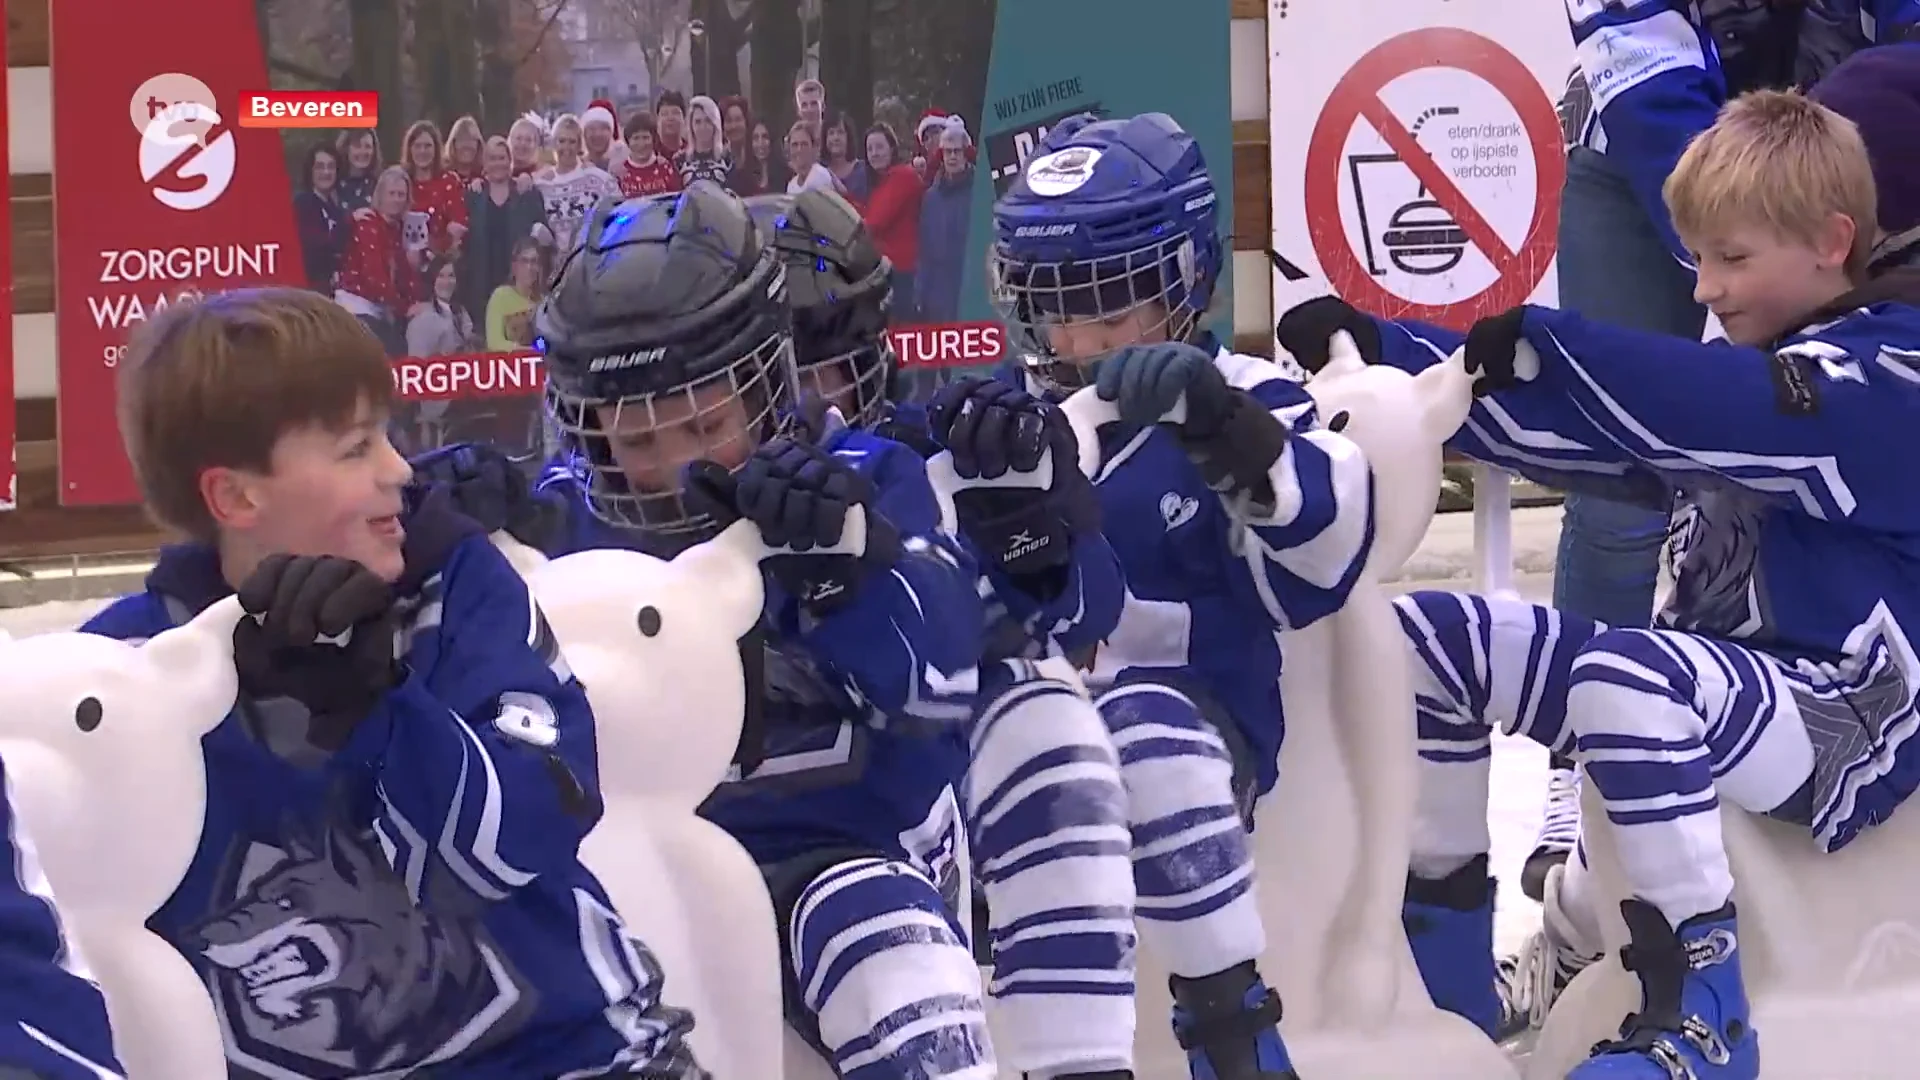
503 123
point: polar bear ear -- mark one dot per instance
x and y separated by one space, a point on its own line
1445 392
196 663
524 559
1343 357
727 568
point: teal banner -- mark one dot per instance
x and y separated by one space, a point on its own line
1054 58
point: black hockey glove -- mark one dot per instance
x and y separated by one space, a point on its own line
322 632
1017 502
1307 328
1492 345
1229 436
800 497
493 490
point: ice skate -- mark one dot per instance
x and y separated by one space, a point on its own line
1531 980
1229 1026
1559 829
1693 1019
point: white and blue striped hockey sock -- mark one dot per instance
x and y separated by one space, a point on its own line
891 983
1192 867
1048 821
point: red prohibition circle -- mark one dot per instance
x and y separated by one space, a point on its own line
1356 98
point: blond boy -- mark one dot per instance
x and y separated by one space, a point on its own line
388 879
810 102
1779 674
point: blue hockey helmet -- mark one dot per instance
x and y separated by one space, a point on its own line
1113 224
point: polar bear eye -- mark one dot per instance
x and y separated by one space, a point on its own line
1339 421
650 621
88 714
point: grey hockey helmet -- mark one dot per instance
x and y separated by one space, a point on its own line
666 339
840 292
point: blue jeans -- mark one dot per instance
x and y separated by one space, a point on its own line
1615 269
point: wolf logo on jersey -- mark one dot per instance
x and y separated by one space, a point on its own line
1714 547
322 966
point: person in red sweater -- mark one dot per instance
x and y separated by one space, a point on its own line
644 172
670 118
438 191
379 279
892 214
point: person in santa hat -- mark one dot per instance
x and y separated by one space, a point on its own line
927 136
601 130
932 123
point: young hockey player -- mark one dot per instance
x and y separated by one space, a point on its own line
1780 674
839 288
389 879
1879 90
53 1021
1243 519
1620 261
671 386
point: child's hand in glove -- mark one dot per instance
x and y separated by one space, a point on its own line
802 500
1021 496
321 630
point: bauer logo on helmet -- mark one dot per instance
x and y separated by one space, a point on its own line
1062 171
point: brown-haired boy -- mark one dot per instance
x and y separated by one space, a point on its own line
389 877
1780 674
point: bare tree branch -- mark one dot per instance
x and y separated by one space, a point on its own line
540 38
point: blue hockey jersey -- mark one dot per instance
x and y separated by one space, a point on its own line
1208 585
1655 79
1796 529
865 708
414 899
53 1021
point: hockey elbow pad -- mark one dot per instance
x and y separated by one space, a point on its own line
1236 447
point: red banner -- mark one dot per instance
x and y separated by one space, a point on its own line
158 194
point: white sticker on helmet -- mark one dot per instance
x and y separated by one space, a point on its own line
1062 171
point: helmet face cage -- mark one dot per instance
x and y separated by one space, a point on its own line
854 382
1037 298
722 416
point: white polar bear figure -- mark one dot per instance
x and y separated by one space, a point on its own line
1830 949
656 645
102 744
1331 841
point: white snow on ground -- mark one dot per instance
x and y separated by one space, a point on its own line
51 617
